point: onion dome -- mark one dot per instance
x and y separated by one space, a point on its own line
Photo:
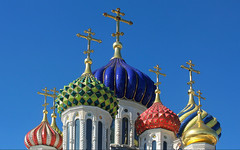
127 82
87 90
199 132
188 117
157 116
43 134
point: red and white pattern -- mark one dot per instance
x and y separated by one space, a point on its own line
157 116
43 134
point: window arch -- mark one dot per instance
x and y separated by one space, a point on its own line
77 133
112 128
125 130
154 145
89 134
164 145
100 133
68 135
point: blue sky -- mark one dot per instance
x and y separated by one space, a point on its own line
39 49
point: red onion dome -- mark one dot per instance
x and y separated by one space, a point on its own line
43 134
157 116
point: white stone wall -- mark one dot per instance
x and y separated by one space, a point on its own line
133 109
200 146
159 135
83 113
42 147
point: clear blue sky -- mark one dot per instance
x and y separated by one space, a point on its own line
39 49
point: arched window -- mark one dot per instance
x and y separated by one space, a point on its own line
68 135
112 131
164 145
89 134
125 130
154 145
77 133
145 146
100 131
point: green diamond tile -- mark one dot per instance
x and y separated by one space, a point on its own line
107 107
89 101
86 88
82 101
81 92
89 92
66 88
71 98
86 97
96 102
105 96
73 93
75 101
94 89
66 95
102 92
102 104
94 97
90 85
101 99
111 100
77 89
81 85
78 97
69 103
70 90
107 103
98 94
64 106
98 87
73 86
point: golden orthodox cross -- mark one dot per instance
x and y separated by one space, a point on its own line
45 100
199 98
190 69
118 19
89 38
157 73
54 96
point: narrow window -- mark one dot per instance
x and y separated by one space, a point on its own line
154 145
89 134
124 130
100 135
135 138
107 139
68 133
164 145
112 131
145 146
77 133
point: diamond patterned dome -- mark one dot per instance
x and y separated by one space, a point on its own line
87 90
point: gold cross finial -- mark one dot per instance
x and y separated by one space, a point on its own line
199 98
88 61
45 100
157 91
190 69
54 96
118 19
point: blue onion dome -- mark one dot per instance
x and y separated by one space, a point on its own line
127 82
188 117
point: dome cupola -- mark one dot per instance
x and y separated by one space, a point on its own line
188 115
44 134
199 132
127 82
87 90
158 115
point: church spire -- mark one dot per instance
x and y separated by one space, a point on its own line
117 46
88 60
191 82
157 91
45 112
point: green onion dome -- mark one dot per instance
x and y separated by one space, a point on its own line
88 91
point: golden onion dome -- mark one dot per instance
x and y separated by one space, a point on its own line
200 133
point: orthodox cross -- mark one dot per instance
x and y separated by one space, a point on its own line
190 69
89 38
118 19
157 73
54 96
45 100
199 98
